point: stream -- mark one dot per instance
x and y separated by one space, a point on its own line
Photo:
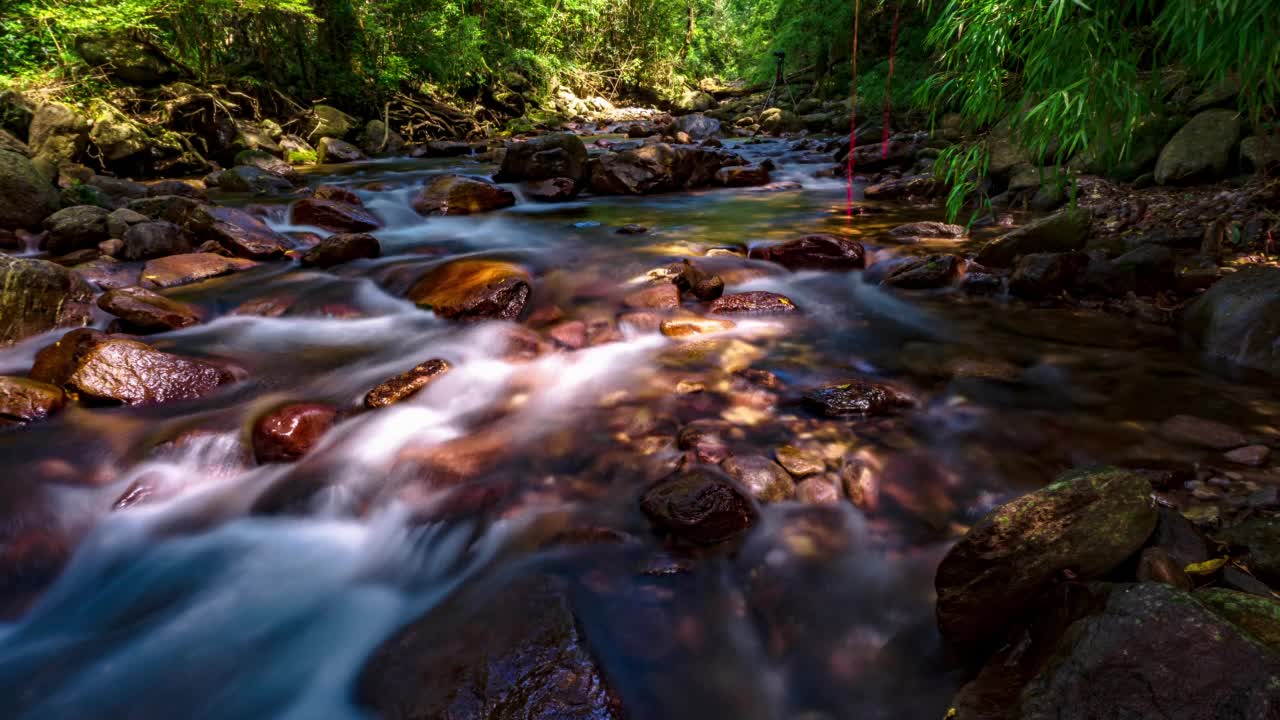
238 590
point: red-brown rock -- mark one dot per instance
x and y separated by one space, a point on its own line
287 433
814 252
335 216
461 195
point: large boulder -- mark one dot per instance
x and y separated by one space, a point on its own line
37 296
114 134
378 139
698 126
133 62
76 228
112 369
1088 523
239 232
550 156
325 121
147 240
1064 231
658 168
1201 150
334 215
814 252
332 150
473 290
1238 320
461 195
1141 150
26 196
59 134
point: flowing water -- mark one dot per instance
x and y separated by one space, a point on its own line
222 589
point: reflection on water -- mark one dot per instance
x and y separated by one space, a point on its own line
222 589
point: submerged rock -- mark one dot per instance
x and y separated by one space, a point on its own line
473 290
461 195
37 296
1087 522
860 397
142 311
814 252
757 302
702 506
764 479
287 433
406 384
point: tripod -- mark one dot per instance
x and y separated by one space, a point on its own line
779 79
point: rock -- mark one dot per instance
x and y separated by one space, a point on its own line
119 221
551 190
694 101
1088 522
702 506
406 384
763 478
331 151
114 369
329 122
287 433
1040 275
691 327
76 228
133 62
632 229
818 491
658 167
297 151
758 302
1201 150
173 208
559 155
688 278
142 311
265 162
1238 320
239 232
742 176
933 271
1250 455
814 252
446 148
37 296
1153 651
116 136
698 126
1155 565
378 139
776 121
661 296
904 187
1257 616
342 248
461 195
26 196
473 290
59 134
1146 270
1256 542
251 179
571 334
120 190
24 400
188 268
1260 153
798 462
929 229
338 194
334 215
859 397
148 240
1064 231
1142 149
1004 152
257 138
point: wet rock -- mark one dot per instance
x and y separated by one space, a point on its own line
342 248
705 440
378 139
860 397
698 126
1154 651
632 229
76 228
764 479
517 654
26 196
929 229
1259 616
694 326
814 252
552 190
1087 522
1238 320
406 384
661 296
461 195
1040 275
119 221
742 176
287 433
1155 565
251 179
1251 455
689 278
129 60
37 296
114 369
446 148
330 151
1196 431
473 290
798 462
571 334
239 232
25 400
1256 543
142 312
1201 150
933 271
334 215
559 155
702 506
171 208
817 491
188 268
757 302
776 121
1064 231
904 187
325 121
658 167
148 240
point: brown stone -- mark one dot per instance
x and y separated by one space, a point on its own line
115 369
552 190
189 268
339 194
342 248
692 326
743 176
571 334
287 433
661 296
1251 455
27 400
460 195
239 232
814 252
406 384
702 506
142 311
1202 433
859 397
37 296
334 215
473 290
757 302
934 271
798 462
764 479
817 491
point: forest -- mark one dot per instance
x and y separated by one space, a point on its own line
640 359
